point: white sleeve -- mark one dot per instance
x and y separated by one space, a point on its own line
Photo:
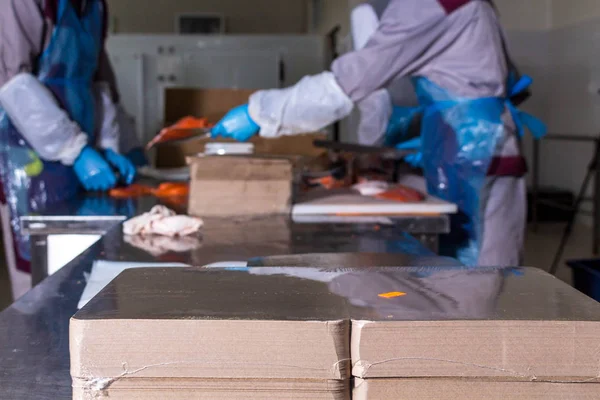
364 22
375 113
106 118
37 115
311 105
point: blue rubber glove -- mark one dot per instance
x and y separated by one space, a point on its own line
93 171
123 165
237 124
415 160
137 157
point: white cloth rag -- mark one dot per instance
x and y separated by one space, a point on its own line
164 222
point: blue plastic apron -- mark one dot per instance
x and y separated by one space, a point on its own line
459 139
67 67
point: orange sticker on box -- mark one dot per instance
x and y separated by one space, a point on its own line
392 295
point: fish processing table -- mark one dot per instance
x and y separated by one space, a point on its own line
34 331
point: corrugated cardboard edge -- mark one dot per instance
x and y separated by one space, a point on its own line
267 389
461 388
371 369
338 331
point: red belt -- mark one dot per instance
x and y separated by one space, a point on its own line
515 166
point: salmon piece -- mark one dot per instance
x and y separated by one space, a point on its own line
165 190
172 190
402 194
182 129
131 191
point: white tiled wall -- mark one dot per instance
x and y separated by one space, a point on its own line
526 15
566 89
569 12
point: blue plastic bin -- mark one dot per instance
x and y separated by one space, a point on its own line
586 277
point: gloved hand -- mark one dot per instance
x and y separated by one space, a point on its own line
123 165
237 124
137 157
93 171
415 160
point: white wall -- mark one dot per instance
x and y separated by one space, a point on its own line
329 13
526 15
565 64
243 16
569 12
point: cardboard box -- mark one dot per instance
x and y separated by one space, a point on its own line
422 331
222 389
464 389
225 186
214 104
187 324
520 324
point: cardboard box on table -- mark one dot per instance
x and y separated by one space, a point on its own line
426 331
228 332
486 334
213 104
225 186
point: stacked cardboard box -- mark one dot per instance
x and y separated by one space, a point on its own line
479 334
290 333
185 334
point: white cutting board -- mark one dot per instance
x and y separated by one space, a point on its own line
348 202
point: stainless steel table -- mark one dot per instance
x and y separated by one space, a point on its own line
34 339
97 215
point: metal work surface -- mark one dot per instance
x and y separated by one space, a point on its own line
34 332
91 215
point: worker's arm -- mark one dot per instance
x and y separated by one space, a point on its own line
401 45
364 23
21 37
31 107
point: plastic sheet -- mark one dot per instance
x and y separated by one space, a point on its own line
459 139
398 129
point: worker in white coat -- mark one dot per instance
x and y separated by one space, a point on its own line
387 110
455 52
61 125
